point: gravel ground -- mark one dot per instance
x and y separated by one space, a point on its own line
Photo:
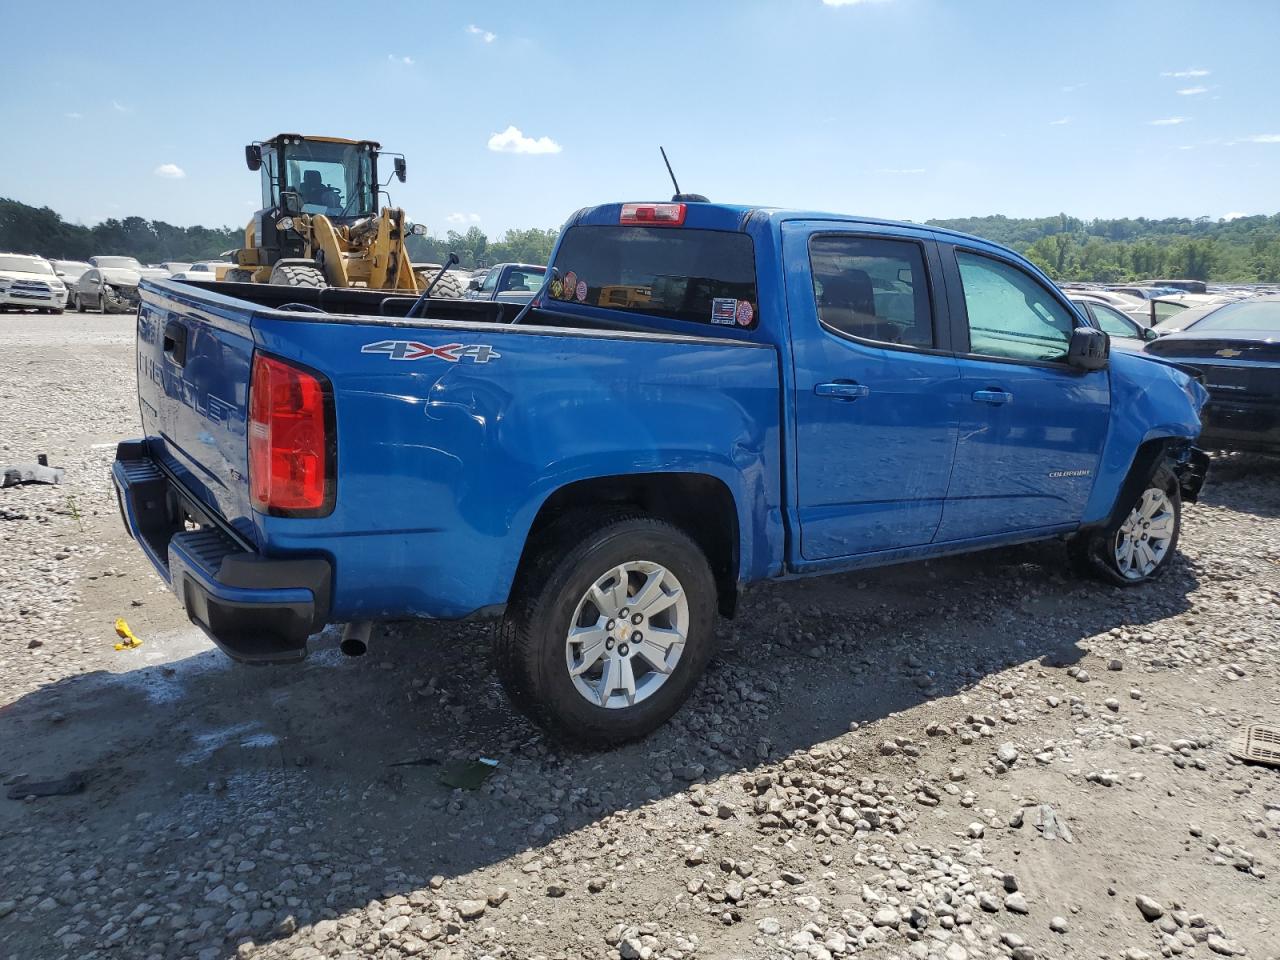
980 757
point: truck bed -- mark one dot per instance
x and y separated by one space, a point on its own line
451 431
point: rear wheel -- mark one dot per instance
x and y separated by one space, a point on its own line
298 275
609 628
1140 547
79 304
449 287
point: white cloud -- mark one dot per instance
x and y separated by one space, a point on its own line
73 115
407 61
1074 87
848 3
488 36
1236 215
901 171
1187 74
119 107
463 218
1263 138
170 171
511 140
1167 122
1192 91
1060 122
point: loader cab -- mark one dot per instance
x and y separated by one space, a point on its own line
317 175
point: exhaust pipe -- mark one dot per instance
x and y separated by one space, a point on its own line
355 638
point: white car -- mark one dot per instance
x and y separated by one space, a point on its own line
109 285
203 270
70 272
175 266
28 282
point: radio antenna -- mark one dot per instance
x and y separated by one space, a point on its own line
671 173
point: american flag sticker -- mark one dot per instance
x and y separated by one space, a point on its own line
724 310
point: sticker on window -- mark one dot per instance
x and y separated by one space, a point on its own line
570 283
556 289
744 313
580 291
724 310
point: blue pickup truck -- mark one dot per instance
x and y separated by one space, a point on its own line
700 396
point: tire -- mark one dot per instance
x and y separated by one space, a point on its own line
1106 554
240 276
79 305
554 592
449 287
298 275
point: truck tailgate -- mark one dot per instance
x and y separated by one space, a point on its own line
194 360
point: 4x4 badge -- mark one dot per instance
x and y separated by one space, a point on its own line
451 352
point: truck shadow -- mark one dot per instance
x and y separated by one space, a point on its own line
325 779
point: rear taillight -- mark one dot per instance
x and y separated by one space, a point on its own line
653 214
291 440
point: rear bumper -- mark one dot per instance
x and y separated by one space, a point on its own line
256 609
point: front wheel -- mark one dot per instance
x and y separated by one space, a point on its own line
1140 547
297 275
609 627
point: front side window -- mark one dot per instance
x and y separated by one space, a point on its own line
702 276
1113 322
1164 309
490 281
872 289
1010 314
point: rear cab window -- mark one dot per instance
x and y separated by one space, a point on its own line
679 273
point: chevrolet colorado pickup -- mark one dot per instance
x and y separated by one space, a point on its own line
700 396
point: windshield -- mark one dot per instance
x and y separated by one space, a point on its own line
119 263
1260 315
336 179
24 265
523 280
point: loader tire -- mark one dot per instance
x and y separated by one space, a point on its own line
449 287
298 275
242 276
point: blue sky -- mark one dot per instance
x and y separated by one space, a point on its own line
516 114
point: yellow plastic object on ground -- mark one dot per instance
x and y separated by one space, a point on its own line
126 635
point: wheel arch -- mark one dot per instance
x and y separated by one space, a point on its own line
700 504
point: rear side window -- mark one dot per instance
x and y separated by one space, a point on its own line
1010 314
872 289
703 276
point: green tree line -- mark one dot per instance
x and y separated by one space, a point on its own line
1246 249
40 230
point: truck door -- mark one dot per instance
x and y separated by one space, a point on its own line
875 387
1032 427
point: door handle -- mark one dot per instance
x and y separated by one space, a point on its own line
842 390
175 342
993 396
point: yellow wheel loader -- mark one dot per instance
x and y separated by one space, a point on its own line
321 225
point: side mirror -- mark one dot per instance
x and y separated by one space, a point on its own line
473 283
400 168
1149 333
904 276
1089 349
418 230
291 202
253 156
